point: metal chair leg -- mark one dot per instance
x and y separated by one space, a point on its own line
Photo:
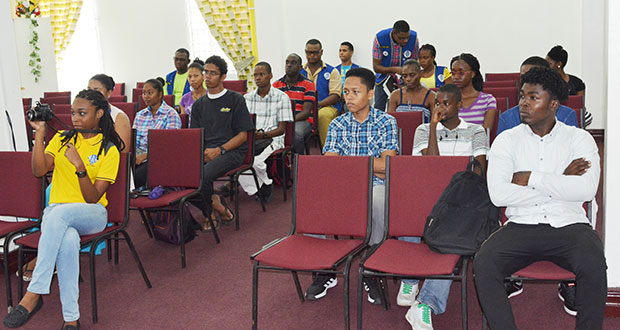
360 304
255 296
300 293
136 258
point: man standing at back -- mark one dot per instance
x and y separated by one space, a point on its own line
328 85
391 48
176 81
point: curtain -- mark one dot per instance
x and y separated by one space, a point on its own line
64 15
231 23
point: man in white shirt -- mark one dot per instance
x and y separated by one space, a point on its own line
543 171
445 135
272 108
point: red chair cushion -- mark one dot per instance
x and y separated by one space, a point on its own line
399 257
32 240
306 253
165 200
9 227
545 270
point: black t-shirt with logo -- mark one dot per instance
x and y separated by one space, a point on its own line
222 118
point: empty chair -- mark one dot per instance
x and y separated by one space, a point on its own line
502 105
129 108
502 76
119 89
117 98
407 123
62 109
56 94
499 83
56 100
512 93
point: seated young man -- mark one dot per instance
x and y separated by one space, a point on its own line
543 171
348 135
445 135
273 109
511 118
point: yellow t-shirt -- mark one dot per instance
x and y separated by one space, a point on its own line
65 184
429 82
179 86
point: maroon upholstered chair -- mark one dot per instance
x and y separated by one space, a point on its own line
414 183
139 84
184 120
502 104
314 134
499 83
232 176
169 99
239 86
62 109
118 98
512 93
118 216
136 96
407 123
492 132
280 155
119 89
56 94
129 108
26 101
298 252
576 102
21 195
164 154
502 76
56 100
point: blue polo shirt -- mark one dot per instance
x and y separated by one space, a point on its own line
511 118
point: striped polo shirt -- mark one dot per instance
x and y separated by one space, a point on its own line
476 111
467 139
303 91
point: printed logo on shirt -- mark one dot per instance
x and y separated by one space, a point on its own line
225 110
407 53
326 75
385 53
93 159
440 77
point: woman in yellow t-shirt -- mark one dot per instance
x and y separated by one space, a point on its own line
433 76
85 161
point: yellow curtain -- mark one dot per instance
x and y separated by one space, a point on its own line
64 16
231 23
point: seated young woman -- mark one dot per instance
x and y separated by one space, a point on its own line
104 84
412 96
85 161
196 78
433 76
156 115
478 107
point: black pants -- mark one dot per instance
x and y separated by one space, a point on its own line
576 248
215 169
139 177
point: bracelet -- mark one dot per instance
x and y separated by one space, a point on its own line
81 174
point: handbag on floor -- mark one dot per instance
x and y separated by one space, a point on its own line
463 217
166 226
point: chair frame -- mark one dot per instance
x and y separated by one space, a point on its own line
93 241
346 259
282 153
459 272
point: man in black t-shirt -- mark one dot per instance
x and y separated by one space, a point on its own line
225 118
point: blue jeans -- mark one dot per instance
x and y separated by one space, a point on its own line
434 293
59 246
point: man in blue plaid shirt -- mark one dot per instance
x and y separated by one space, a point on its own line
363 131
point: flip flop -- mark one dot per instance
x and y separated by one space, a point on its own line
206 227
25 277
231 220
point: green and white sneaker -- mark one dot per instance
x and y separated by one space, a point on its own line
419 317
406 294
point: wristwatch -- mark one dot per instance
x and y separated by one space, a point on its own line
222 150
81 174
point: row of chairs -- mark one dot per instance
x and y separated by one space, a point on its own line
22 195
406 209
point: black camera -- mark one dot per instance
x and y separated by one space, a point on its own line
40 112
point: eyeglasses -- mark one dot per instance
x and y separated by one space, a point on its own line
211 73
459 72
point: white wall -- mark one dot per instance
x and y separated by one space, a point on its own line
138 38
612 145
501 34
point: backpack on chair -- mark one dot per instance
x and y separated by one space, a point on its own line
463 217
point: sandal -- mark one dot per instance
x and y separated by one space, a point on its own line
26 273
227 209
206 226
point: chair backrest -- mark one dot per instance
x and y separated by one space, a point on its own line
62 109
239 86
502 76
129 108
21 193
502 104
118 193
119 89
576 103
499 83
169 99
332 195
408 122
175 157
140 84
60 123
492 132
414 185
117 98
249 155
289 133
184 120
26 101
136 95
56 100
511 93
56 94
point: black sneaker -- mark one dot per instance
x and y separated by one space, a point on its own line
513 288
566 293
266 192
319 286
374 293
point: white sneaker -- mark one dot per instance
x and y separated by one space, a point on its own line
406 294
419 316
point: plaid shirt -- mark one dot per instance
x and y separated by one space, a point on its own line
165 118
348 137
396 52
270 110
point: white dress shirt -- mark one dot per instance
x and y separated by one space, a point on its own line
550 196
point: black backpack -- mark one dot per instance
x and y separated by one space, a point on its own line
463 217
166 226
